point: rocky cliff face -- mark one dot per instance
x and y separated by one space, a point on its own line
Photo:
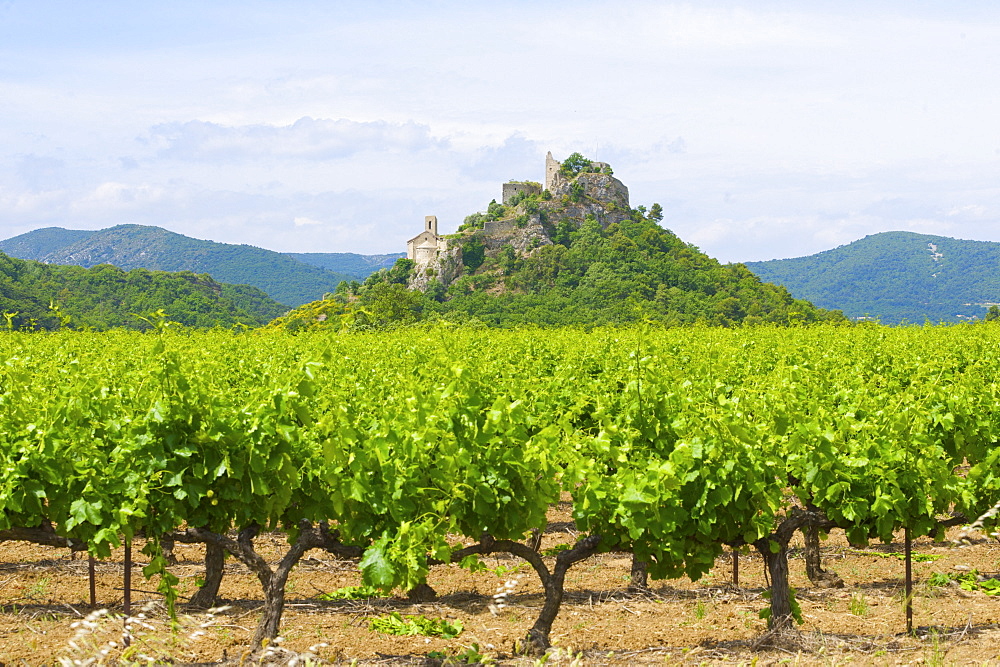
444 267
600 195
522 239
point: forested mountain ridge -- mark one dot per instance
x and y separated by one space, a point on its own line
573 253
895 276
34 295
351 264
285 278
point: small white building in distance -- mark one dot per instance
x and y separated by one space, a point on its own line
423 248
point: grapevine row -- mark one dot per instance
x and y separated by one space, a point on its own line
437 445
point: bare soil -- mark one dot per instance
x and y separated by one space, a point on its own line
44 602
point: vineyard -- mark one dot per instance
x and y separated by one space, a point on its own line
431 460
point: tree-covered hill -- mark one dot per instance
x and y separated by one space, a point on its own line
46 296
575 254
283 277
625 272
895 276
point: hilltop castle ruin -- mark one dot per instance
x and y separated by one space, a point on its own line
595 193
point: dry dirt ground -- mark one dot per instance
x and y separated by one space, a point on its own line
44 599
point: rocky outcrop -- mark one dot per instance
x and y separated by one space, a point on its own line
600 195
444 266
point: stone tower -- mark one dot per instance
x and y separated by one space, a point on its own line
551 170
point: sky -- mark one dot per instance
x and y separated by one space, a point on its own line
765 129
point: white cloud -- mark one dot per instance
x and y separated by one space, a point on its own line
972 212
40 173
305 139
113 196
302 221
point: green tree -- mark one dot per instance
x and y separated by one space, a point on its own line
400 272
435 291
507 259
391 303
563 234
473 221
495 211
473 254
574 165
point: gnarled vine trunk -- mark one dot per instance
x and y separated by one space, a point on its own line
43 534
537 640
535 541
814 569
781 593
167 549
538 635
215 557
272 581
774 549
639 579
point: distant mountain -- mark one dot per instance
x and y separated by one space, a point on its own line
358 267
894 276
42 242
284 278
47 296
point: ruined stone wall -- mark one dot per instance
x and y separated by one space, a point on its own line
498 227
512 189
523 239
